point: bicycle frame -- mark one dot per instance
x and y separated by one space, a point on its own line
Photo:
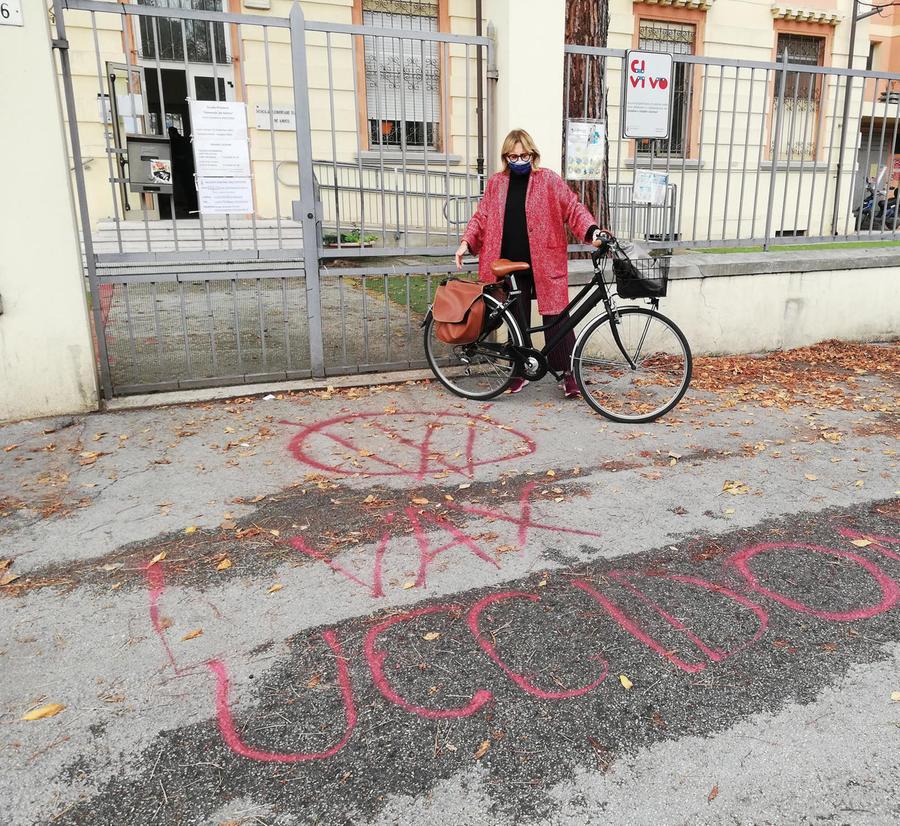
588 297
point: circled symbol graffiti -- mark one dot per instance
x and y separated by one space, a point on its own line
419 442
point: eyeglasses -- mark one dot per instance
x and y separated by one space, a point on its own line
525 156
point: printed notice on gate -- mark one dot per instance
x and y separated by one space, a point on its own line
585 149
218 120
648 94
222 157
223 196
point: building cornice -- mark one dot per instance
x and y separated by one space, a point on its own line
698 5
801 15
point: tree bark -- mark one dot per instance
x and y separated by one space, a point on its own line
587 24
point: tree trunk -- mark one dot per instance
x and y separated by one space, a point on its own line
587 24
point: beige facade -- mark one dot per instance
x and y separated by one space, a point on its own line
723 167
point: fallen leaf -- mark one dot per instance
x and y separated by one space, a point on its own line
735 488
505 549
369 499
626 683
192 635
313 681
4 564
729 511
50 710
6 579
420 501
895 696
861 543
224 565
275 588
407 585
8 448
431 636
276 534
158 558
465 485
858 483
482 750
811 477
228 525
551 473
713 794
450 747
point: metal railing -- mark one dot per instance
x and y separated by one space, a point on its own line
348 130
758 151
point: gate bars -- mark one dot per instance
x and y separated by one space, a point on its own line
186 302
758 152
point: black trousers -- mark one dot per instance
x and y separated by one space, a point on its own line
560 359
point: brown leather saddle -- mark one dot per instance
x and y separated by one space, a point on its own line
503 267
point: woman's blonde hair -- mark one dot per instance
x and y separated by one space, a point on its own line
509 143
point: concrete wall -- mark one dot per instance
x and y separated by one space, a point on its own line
756 302
46 357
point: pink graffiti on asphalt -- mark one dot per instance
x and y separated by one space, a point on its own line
415 457
416 519
755 597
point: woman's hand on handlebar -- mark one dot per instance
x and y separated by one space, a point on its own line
462 250
601 237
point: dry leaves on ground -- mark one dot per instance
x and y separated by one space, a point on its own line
49 710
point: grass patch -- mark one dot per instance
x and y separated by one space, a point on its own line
421 292
837 245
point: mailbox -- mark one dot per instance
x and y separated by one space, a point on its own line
149 164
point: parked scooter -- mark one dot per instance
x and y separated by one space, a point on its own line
876 210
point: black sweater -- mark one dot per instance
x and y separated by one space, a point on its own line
515 246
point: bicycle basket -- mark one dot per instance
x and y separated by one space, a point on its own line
641 277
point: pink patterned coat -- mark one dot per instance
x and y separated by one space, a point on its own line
549 206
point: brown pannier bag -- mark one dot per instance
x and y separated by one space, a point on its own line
458 311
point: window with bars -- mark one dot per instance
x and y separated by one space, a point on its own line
674 38
205 41
805 50
402 74
802 93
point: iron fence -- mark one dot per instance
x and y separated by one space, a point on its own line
759 153
352 152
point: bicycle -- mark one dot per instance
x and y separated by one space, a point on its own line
632 364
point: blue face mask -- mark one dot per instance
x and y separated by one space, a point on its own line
520 167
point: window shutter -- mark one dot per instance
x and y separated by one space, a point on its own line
409 93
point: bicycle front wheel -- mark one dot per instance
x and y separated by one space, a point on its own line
656 377
481 370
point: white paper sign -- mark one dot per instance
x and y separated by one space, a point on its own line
648 94
220 196
585 149
285 119
649 188
218 120
222 157
11 13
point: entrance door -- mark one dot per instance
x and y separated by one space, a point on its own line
182 60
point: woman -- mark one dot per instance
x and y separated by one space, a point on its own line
522 217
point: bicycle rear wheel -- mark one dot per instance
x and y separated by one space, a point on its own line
624 393
480 370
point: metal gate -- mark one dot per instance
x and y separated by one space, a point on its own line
366 144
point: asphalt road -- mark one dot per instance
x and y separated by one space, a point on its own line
395 607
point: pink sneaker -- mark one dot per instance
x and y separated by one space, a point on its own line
570 387
518 385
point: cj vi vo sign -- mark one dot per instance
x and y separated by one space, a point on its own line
648 95
10 12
